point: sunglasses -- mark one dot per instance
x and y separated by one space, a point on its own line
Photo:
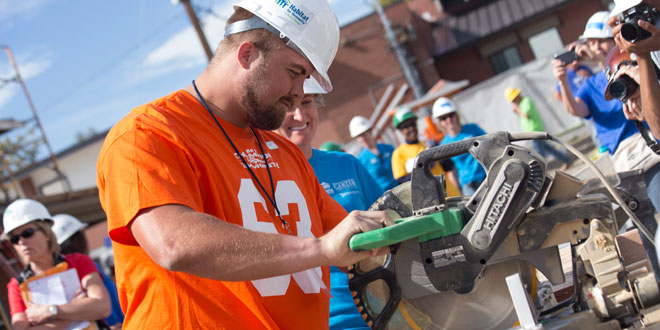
409 124
27 233
449 115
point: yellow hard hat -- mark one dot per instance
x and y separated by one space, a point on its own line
511 93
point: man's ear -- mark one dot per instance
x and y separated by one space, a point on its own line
246 54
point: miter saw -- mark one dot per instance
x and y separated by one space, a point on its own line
449 257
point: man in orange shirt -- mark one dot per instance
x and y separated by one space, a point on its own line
218 222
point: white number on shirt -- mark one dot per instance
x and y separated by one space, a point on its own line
286 193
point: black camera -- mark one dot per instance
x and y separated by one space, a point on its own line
567 57
630 30
621 88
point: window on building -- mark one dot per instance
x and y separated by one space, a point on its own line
505 59
546 43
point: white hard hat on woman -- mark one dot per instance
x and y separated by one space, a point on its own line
65 226
22 211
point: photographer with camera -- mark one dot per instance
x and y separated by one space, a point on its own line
635 28
622 72
616 133
576 72
588 102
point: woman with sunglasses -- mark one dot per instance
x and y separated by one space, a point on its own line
470 172
27 224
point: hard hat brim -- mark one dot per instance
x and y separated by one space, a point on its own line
622 6
5 233
360 132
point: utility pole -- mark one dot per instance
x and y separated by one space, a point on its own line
197 26
19 78
402 54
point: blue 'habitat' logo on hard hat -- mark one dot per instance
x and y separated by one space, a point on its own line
297 13
282 3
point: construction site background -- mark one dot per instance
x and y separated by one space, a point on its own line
485 105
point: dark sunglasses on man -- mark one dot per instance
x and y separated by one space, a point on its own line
27 233
407 124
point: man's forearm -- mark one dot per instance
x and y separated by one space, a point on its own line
650 90
210 248
569 101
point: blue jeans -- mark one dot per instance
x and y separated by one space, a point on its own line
545 150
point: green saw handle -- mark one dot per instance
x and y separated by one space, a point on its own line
423 227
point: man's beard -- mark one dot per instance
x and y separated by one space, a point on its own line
259 115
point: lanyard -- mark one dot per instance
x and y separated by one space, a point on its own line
271 199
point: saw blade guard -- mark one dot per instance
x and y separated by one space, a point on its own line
378 284
449 254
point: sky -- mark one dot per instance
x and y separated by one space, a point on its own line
86 63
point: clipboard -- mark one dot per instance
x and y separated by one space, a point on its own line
57 285
25 290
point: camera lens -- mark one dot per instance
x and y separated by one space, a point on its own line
622 87
630 32
618 90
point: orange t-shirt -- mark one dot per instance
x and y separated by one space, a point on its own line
170 151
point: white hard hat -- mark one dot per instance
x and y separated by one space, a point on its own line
443 106
311 86
65 226
597 27
23 211
622 5
309 27
358 125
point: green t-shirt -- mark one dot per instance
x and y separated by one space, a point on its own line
533 122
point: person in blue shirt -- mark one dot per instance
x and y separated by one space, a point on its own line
376 157
345 179
470 172
589 101
619 135
576 74
71 238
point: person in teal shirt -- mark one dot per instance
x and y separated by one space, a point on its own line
470 172
531 121
376 157
346 180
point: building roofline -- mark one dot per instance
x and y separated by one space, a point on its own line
71 149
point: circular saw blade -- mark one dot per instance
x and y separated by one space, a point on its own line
487 306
